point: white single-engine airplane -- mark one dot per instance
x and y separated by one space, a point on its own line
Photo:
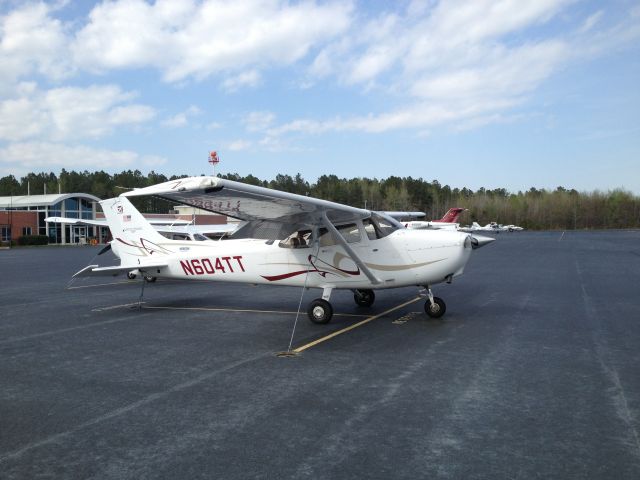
321 244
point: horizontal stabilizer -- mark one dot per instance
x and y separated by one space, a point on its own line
95 270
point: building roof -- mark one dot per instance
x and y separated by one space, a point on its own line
21 201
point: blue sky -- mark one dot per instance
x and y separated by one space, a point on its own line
480 93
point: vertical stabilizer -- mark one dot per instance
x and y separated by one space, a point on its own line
451 216
135 241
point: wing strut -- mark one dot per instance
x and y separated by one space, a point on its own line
338 236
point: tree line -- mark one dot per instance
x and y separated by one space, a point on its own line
533 209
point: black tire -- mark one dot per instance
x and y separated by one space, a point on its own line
150 279
364 298
320 311
131 275
437 309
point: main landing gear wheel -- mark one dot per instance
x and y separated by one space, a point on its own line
435 309
150 279
320 311
131 275
364 298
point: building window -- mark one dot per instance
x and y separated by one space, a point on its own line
71 204
5 234
26 231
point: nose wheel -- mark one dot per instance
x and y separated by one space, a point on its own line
436 308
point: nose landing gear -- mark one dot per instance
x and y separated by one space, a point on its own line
434 306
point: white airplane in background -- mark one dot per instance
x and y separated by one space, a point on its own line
490 227
448 222
287 239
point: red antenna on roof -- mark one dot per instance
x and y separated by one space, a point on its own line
214 160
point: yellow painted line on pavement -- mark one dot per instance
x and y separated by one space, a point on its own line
355 325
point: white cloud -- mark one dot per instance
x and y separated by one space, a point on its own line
32 41
181 119
259 121
189 39
239 145
416 116
24 157
448 61
591 21
69 113
250 78
509 73
437 63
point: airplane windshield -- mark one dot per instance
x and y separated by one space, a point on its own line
380 225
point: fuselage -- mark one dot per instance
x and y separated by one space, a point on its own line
403 258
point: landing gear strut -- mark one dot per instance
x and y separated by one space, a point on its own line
434 306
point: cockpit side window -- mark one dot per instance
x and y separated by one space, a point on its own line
350 232
302 238
299 239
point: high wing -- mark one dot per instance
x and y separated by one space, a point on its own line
269 214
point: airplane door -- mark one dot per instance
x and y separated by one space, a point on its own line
331 255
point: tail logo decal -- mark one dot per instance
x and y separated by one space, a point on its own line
147 246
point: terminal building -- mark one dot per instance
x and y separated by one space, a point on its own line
24 215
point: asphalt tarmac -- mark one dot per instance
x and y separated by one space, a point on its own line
534 372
